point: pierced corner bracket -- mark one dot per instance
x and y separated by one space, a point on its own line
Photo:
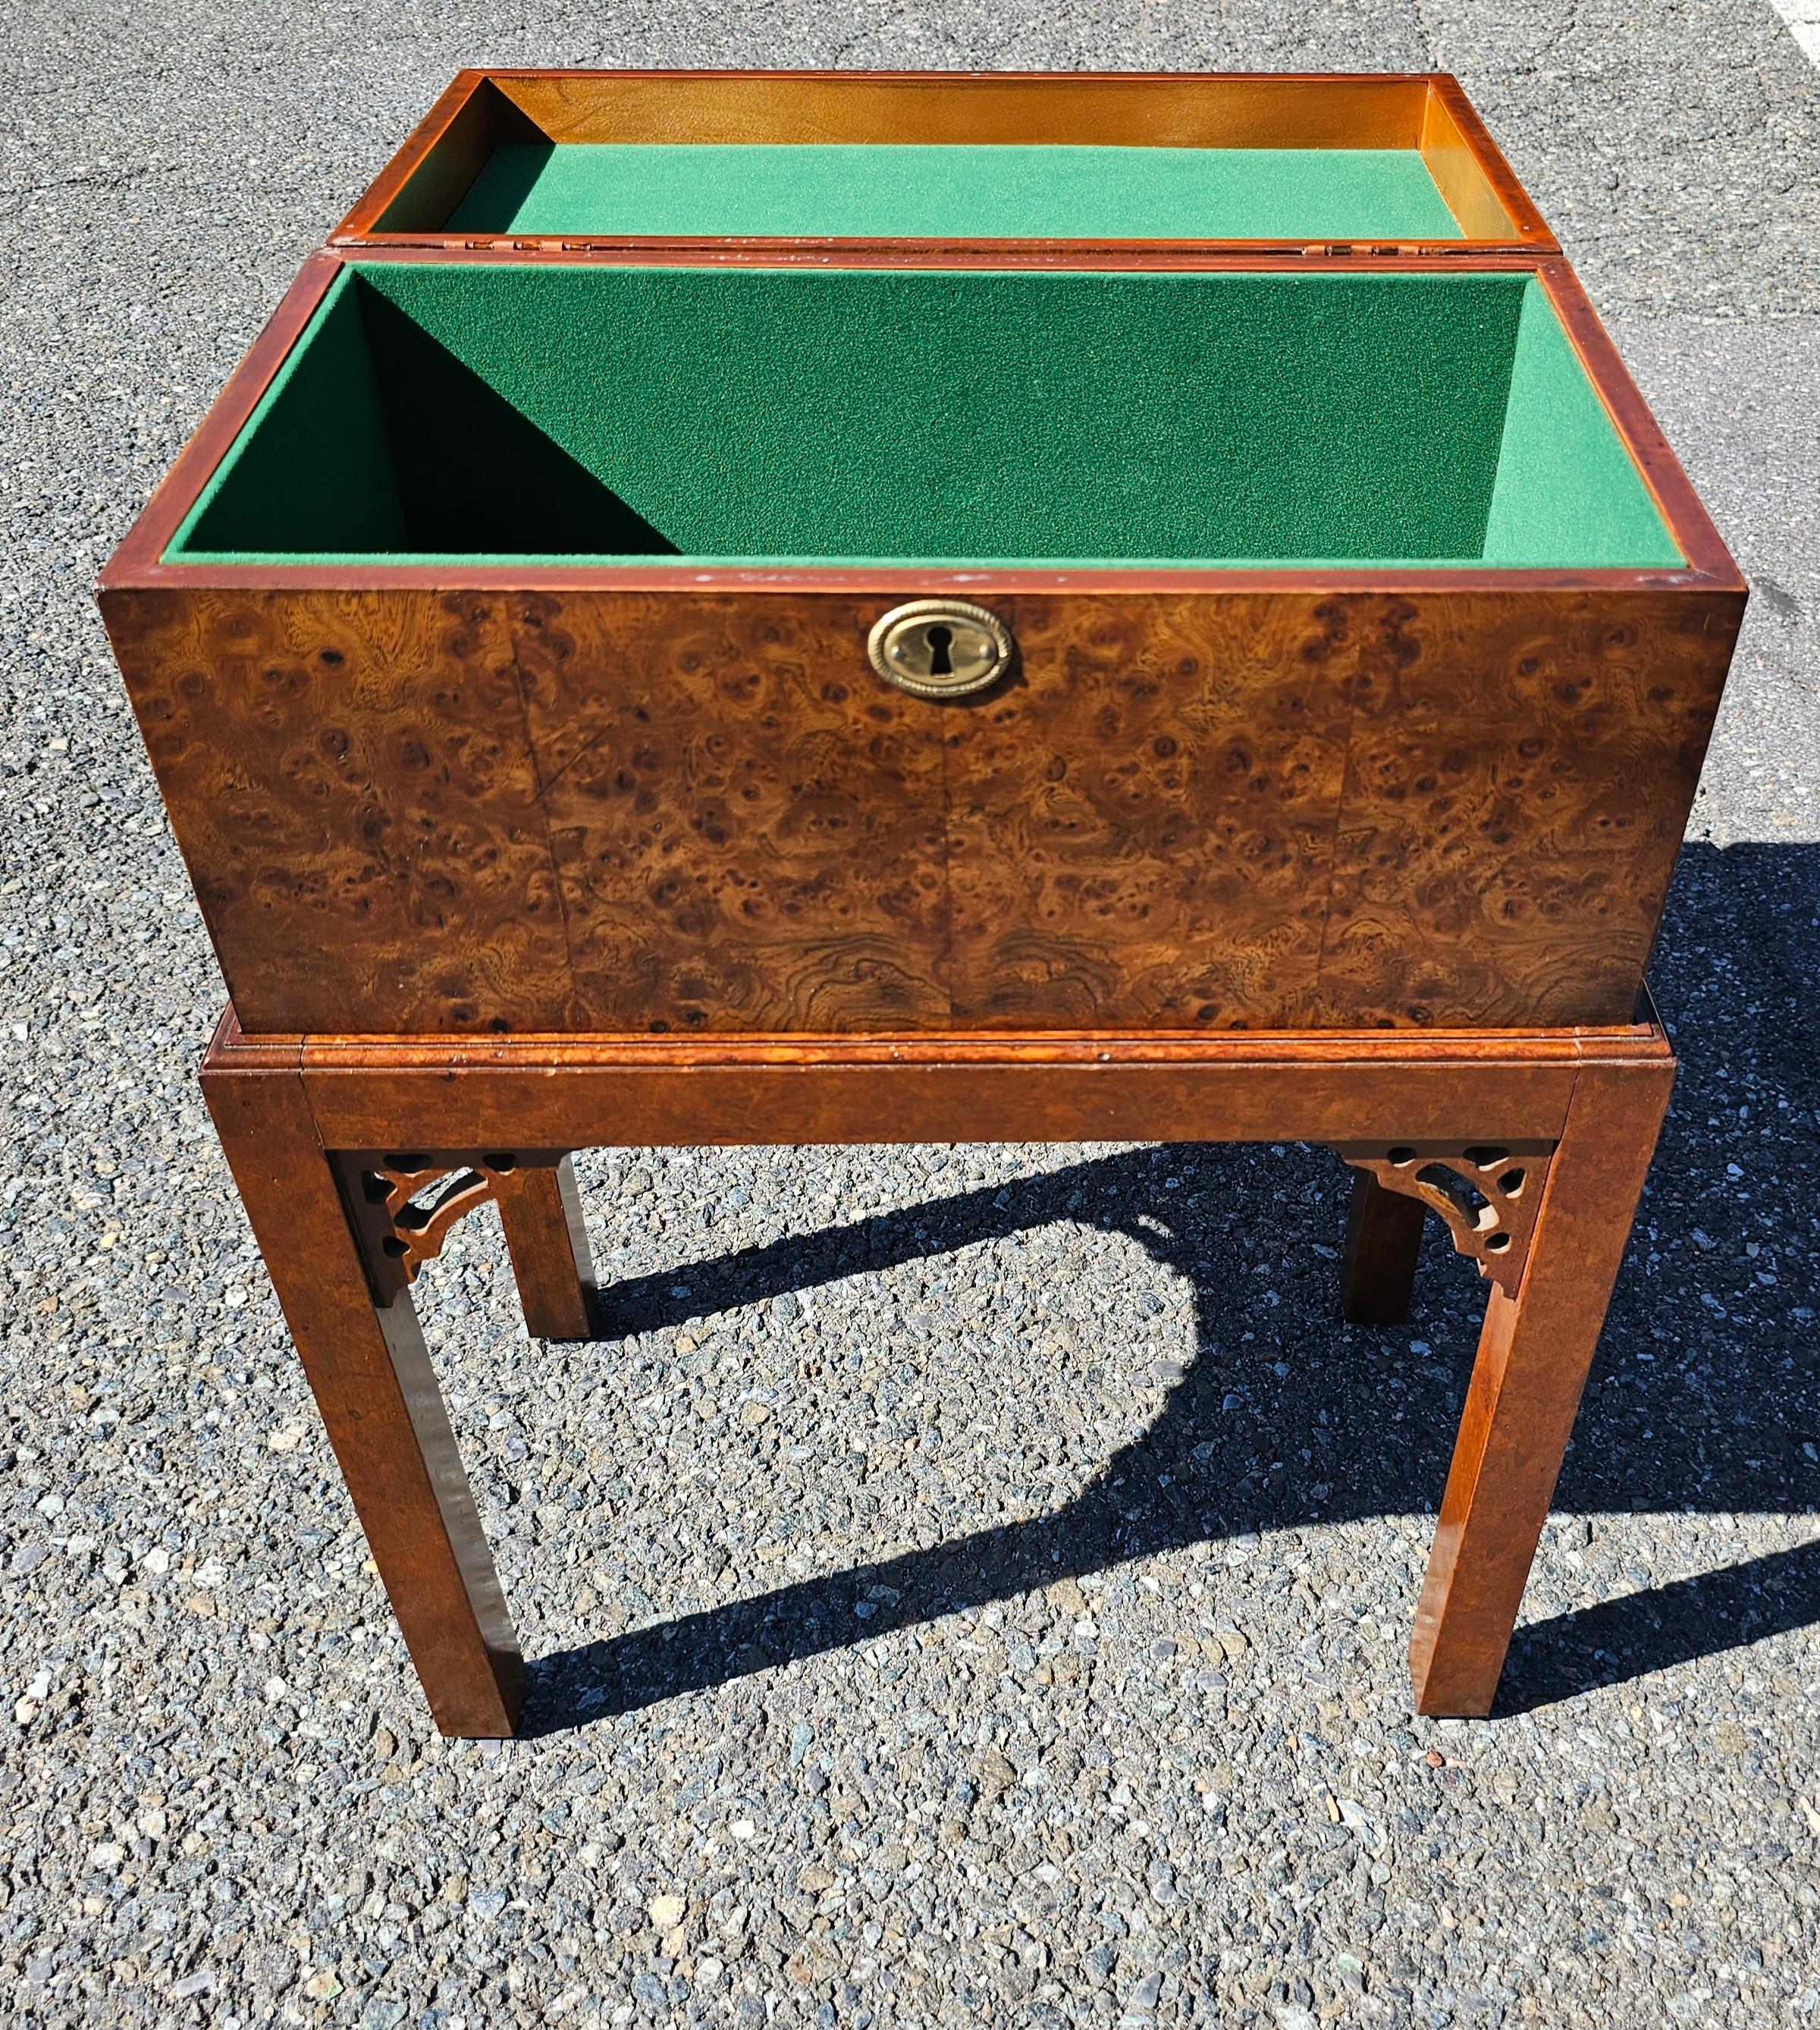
405 1205
1488 1193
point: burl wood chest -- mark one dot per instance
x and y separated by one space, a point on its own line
501 642
920 564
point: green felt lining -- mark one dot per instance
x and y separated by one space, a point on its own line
942 190
575 413
1566 486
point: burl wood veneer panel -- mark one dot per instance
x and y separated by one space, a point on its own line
614 811
747 824
352 787
1141 824
1519 777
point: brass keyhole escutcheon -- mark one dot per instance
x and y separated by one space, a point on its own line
939 648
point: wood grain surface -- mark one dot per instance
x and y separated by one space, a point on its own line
374 1382
280 1105
1383 1249
747 826
1535 1351
352 787
620 812
1141 822
1518 778
413 198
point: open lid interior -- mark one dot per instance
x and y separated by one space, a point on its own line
621 157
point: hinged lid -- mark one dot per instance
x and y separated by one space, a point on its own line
1324 165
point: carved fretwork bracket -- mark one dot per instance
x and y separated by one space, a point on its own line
1489 1194
405 1204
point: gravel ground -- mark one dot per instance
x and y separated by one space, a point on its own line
974 1587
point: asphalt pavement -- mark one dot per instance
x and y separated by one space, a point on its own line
973 1588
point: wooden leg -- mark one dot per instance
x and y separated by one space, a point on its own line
379 1399
1534 1354
1383 1243
540 1210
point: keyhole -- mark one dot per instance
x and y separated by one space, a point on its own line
932 648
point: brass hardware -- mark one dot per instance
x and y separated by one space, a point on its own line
939 648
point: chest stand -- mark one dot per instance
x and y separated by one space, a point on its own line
355 1156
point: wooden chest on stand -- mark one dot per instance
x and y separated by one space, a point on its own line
734 607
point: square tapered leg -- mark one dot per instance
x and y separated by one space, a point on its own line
1535 1350
370 1372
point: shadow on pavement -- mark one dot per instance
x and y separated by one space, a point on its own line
1703 1398
1625 1638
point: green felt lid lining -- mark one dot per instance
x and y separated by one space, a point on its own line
493 413
942 190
